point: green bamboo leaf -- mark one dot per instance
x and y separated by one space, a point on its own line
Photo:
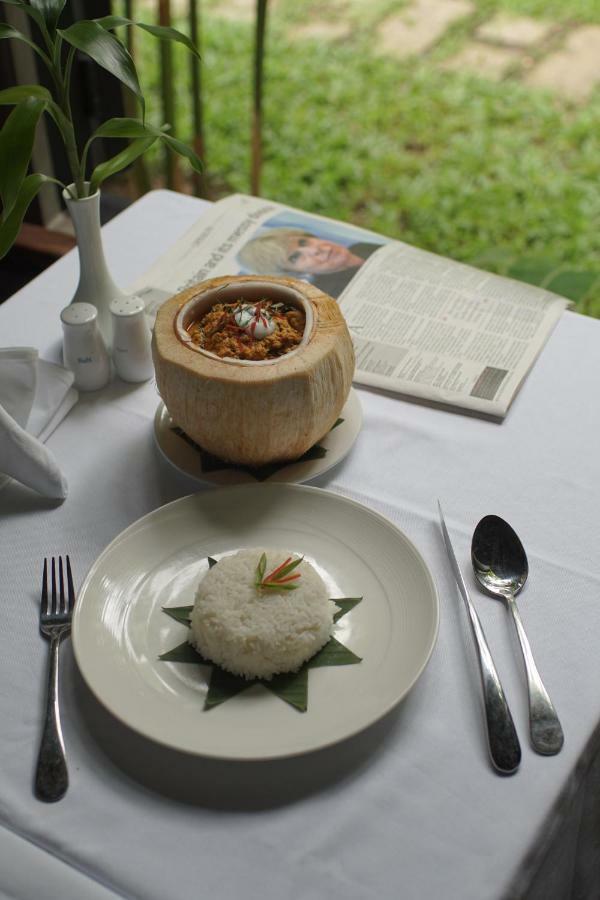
50 11
179 613
183 150
163 32
124 128
110 22
16 145
184 653
211 562
333 654
345 605
7 31
106 50
31 12
120 128
223 686
118 162
13 95
9 228
291 687
336 423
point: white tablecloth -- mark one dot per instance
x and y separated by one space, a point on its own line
410 808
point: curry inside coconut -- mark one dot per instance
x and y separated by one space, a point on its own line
256 331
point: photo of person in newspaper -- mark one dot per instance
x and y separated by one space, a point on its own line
305 252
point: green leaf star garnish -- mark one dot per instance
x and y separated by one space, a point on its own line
289 686
212 463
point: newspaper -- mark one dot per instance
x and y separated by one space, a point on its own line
425 327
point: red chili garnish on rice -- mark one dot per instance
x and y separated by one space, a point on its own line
280 577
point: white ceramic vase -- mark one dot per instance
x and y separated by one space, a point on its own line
96 285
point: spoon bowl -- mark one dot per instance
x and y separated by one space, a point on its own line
498 557
501 568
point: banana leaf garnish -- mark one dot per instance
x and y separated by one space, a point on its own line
212 463
179 613
345 604
183 653
223 686
332 654
292 687
182 613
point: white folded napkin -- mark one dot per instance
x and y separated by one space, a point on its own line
35 396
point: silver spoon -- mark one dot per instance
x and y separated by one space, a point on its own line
500 565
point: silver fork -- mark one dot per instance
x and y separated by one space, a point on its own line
51 777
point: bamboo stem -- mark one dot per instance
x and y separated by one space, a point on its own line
259 51
197 103
64 80
140 179
168 97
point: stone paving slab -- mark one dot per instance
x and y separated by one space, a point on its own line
418 27
322 31
483 59
574 70
235 10
514 31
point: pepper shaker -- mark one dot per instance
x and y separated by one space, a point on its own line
84 350
132 355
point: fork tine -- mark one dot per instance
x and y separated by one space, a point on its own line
44 600
53 585
70 586
62 606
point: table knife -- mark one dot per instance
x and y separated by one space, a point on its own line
503 742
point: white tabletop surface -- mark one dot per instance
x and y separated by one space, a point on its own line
410 808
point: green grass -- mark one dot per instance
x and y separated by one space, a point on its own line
555 10
489 173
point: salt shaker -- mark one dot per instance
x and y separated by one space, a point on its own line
84 350
131 339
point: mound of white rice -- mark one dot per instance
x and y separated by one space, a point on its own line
256 633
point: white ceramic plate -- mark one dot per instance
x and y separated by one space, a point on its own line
119 629
187 459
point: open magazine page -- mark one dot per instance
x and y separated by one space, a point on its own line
424 326
440 331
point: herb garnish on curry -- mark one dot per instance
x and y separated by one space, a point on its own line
250 331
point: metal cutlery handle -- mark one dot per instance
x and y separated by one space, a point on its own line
546 731
51 777
503 742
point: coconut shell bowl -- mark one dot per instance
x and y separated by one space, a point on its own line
246 411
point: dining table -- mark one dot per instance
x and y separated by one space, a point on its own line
409 807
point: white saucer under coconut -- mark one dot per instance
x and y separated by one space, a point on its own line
260 633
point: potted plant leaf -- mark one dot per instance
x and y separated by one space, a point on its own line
56 48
